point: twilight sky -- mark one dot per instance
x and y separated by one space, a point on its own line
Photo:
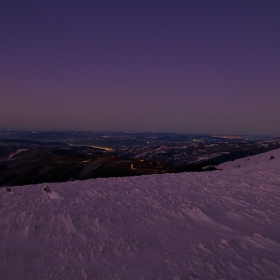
206 66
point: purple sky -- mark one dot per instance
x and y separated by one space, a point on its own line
175 66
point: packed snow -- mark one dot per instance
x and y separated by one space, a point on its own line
211 225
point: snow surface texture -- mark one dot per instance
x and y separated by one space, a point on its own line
241 162
212 225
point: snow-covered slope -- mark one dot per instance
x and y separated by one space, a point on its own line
213 225
247 161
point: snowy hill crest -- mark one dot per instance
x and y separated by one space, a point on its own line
252 160
212 225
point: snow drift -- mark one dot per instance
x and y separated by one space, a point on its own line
212 225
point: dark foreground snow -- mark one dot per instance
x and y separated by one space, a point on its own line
213 225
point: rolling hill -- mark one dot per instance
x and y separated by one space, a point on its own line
210 225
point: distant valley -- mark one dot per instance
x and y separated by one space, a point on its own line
31 157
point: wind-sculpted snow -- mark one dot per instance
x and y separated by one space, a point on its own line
212 225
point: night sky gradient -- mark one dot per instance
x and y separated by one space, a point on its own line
194 66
